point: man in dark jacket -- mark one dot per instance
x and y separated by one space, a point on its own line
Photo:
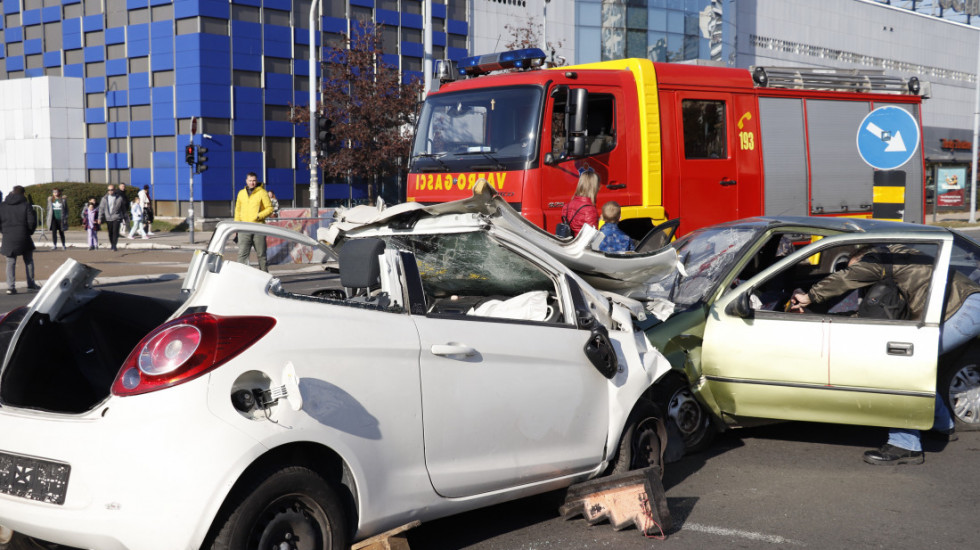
912 272
114 212
17 223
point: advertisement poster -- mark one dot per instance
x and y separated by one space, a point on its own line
949 185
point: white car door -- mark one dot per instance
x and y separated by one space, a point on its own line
505 402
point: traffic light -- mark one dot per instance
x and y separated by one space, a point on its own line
324 134
202 159
189 155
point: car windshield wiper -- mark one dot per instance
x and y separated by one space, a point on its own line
486 152
434 156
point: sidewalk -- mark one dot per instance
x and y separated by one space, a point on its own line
162 256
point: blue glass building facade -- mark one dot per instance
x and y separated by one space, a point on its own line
150 65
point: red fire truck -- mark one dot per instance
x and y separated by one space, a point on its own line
701 143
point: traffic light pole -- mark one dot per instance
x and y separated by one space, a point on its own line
190 209
314 164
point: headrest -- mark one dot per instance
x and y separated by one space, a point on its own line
359 267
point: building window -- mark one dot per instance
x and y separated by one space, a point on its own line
118 114
139 16
116 51
52 71
96 176
95 69
95 131
163 78
93 101
165 144
15 49
358 13
278 152
119 82
248 79
33 32
140 112
412 6
52 36
117 145
335 9
12 20
162 13
74 57
213 25
94 38
277 112
139 65
141 156
35 61
93 7
250 144
301 13
191 25
276 17
249 14
276 65
411 35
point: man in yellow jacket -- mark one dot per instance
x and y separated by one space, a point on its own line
253 205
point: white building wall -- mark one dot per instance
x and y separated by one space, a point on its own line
42 139
861 34
489 19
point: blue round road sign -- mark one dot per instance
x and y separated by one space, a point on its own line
888 137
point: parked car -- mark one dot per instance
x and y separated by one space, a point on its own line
741 358
449 365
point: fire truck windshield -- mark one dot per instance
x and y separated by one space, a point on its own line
497 126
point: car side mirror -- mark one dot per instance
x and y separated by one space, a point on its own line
549 159
741 307
600 351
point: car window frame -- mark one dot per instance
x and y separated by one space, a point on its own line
934 302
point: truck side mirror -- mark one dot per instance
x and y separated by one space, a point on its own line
577 122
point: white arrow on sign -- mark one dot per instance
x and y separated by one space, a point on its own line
895 143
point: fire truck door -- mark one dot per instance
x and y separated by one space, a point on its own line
606 153
708 186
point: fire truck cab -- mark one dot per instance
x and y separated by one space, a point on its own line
701 143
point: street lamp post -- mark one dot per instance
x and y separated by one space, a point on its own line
976 130
314 180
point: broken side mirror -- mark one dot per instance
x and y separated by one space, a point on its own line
741 307
598 349
577 122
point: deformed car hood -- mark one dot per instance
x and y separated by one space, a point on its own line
627 274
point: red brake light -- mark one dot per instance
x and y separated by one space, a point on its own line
185 348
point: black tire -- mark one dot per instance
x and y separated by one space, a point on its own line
643 441
692 421
291 505
959 386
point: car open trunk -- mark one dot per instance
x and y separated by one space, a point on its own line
73 342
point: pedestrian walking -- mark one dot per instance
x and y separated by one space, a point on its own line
90 221
113 211
146 203
17 223
57 215
136 214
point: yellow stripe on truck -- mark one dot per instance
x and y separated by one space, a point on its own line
645 77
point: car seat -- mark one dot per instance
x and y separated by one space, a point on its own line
360 270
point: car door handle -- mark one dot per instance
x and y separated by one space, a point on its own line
614 186
452 349
726 183
900 348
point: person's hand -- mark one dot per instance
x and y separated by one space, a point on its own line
799 301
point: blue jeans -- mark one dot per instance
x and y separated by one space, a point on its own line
963 326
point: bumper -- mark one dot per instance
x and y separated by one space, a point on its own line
144 474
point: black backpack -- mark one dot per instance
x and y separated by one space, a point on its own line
884 299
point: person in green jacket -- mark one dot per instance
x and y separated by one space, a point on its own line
252 205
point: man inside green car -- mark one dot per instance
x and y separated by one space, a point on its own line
911 271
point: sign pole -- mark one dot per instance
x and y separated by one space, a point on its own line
976 128
190 209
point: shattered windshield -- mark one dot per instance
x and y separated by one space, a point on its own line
706 255
470 264
500 122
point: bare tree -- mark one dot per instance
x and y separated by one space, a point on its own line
372 109
528 35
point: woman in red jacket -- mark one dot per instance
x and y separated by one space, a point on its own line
582 209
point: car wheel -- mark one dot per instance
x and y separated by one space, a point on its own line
642 442
676 400
292 508
960 386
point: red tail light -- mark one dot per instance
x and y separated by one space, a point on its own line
186 348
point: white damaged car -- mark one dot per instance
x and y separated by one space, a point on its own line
446 365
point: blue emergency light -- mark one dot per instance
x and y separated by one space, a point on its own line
515 59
